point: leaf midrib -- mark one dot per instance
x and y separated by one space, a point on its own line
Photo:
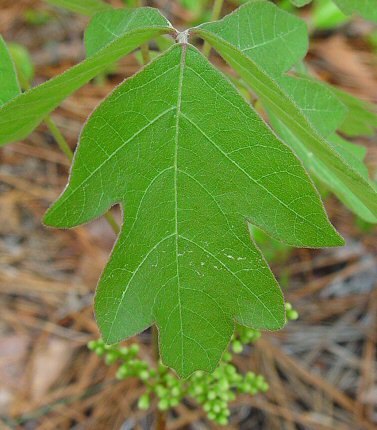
176 140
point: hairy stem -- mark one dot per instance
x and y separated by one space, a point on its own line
216 12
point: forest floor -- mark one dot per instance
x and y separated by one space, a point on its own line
321 369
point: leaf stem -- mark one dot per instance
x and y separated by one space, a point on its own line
63 145
60 140
160 415
144 48
216 12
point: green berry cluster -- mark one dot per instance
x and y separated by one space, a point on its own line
161 381
290 313
243 336
213 391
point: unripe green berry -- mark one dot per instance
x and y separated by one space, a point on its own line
163 405
237 347
211 415
144 375
144 402
124 350
198 389
175 392
134 349
211 395
227 356
122 372
100 350
92 345
207 406
230 370
222 420
223 384
264 387
161 391
111 357
292 315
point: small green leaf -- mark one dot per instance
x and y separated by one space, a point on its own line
109 26
300 3
354 154
366 8
326 174
273 38
22 114
361 117
9 86
23 63
278 99
326 15
85 7
191 164
316 101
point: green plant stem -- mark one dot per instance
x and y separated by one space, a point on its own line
161 418
144 48
60 140
63 145
216 12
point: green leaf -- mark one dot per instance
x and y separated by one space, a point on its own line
9 86
325 112
23 63
85 7
321 106
191 164
316 101
354 154
278 100
275 39
326 15
366 8
109 26
361 117
300 3
327 175
22 114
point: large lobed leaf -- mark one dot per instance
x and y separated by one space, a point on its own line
191 164
301 106
22 114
